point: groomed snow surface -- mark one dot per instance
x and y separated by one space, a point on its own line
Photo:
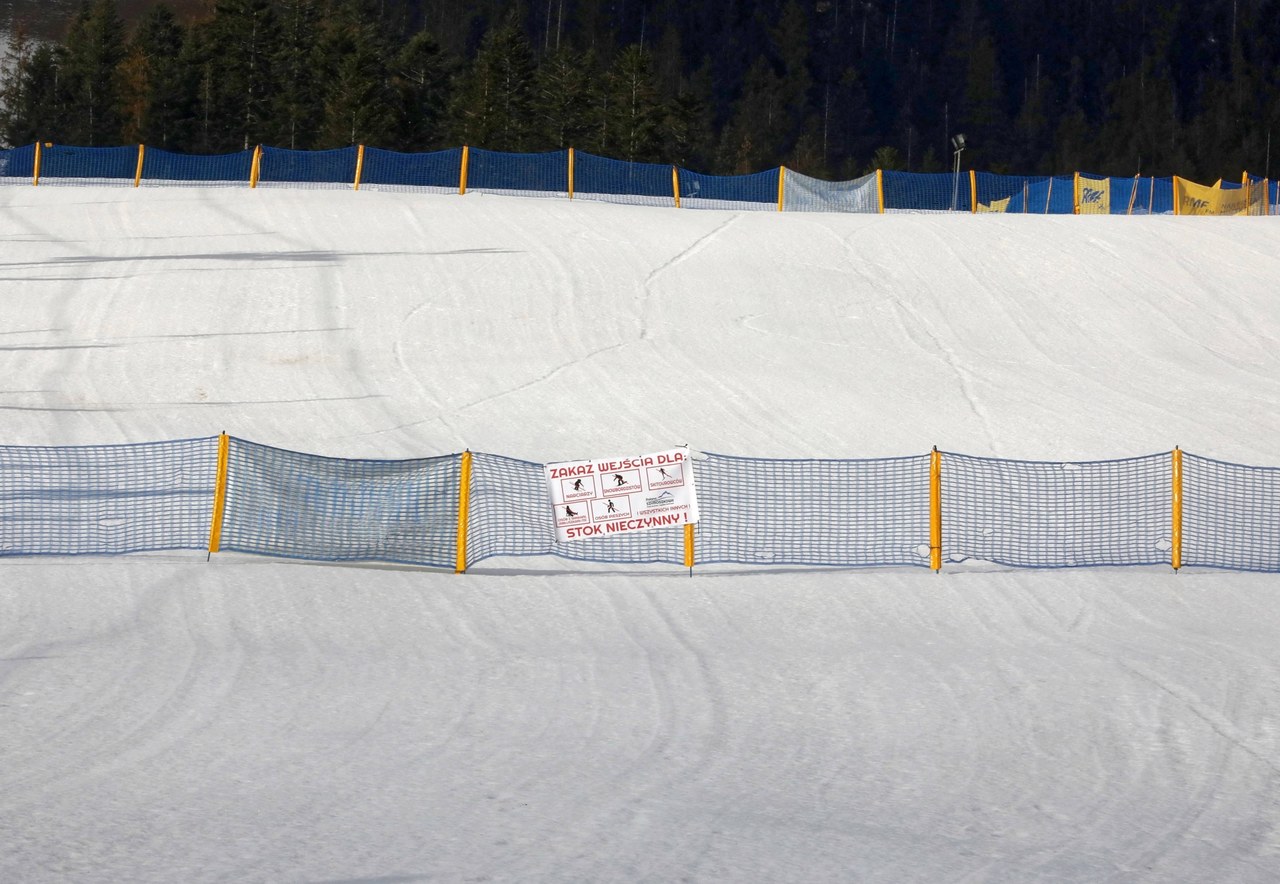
167 719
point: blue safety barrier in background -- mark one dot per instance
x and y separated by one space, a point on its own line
62 164
106 499
520 174
510 515
163 167
600 178
849 513
1033 514
317 168
303 506
1042 195
439 170
18 163
1231 515
735 192
935 192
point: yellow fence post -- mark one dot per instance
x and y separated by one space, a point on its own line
137 178
782 177
462 176
1175 553
688 548
1177 208
35 176
675 185
935 510
880 188
219 493
359 165
256 168
1075 195
973 192
571 173
464 510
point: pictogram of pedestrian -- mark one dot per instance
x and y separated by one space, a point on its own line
611 508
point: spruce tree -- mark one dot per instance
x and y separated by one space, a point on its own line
422 78
154 86
89 76
493 107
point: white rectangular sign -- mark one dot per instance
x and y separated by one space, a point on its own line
620 495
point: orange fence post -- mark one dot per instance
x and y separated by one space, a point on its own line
462 176
256 169
935 509
688 547
1175 553
571 173
464 510
973 192
219 493
880 188
35 175
1075 195
675 184
359 166
137 178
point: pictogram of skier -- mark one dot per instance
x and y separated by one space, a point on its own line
568 511
618 480
577 485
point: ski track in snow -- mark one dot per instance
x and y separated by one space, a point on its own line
165 719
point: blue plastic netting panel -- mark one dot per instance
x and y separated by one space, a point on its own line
303 506
1162 196
106 499
1131 196
162 167
439 171
758 192
932 192
63 165
615 181
1035 514
518 174
510 515
813 512
1275 198
320 169
18 164
1230 515
800 193
1041 195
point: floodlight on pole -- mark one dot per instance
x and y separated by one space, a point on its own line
958 142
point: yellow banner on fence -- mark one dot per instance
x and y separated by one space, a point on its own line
995 205
1093 195
1190 198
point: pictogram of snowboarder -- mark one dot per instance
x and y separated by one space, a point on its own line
568 511
619 480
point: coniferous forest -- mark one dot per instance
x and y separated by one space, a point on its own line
831 88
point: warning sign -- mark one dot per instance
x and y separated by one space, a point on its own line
619 495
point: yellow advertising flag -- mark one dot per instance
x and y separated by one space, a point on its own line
1095 196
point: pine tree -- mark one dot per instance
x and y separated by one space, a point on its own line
298 102
494 105
633 114
154 88
89 76
360 104
29 103
236 80
422 78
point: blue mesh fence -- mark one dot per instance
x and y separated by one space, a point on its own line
510 515
106 499
1041 195
163 167
1230 515
295 505
935 192
1162 196
757 192
615 181
813 512
518 174
325 169
438 171
804 194
62 164
18 164
1034 514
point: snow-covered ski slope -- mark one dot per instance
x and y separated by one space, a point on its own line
167 719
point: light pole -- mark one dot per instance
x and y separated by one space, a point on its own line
958 143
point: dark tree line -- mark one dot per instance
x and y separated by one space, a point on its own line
828 87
